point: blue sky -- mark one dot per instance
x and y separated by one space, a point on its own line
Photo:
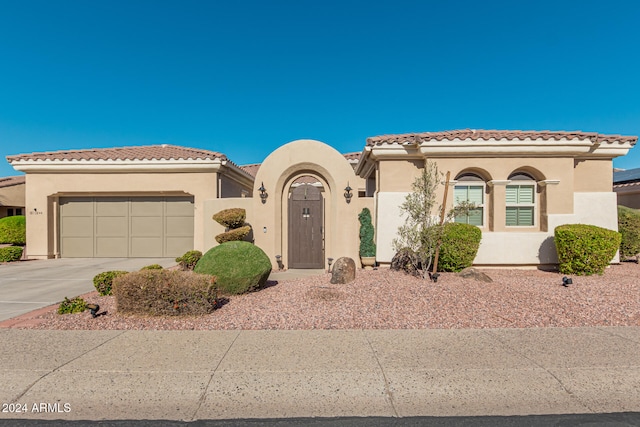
244 77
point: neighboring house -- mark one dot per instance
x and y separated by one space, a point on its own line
12 190
303 200
626 184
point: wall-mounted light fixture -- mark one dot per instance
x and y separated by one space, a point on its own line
263 193
347 193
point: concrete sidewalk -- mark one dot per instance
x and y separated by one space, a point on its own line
191 375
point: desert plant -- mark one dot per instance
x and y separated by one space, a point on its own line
367 245
165 292
231 218
152 267
189 259
460 243
70 306
103 282
629 227
11 253
233 235
585 249
238 266
13 230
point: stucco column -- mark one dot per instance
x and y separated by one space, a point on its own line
546 197
498 204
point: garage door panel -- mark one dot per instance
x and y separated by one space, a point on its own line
146 247
180 206
112 226
146 226
77 206
77 226
147 206
77 247
111 247
112 207
179 226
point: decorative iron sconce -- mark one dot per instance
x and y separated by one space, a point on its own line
263 193
347 193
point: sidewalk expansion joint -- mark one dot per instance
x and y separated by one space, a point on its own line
206 388
387 389
547 370
65 364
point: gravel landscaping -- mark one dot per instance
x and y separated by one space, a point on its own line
384 299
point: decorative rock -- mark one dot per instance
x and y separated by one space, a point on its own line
472 273
344 271
402 262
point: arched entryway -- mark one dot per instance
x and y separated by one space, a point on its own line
306 226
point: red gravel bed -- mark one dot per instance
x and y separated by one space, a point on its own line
384 299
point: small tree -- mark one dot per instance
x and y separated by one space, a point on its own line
367 246
422 231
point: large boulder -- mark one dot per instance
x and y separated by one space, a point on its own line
344 271
472 273
239 266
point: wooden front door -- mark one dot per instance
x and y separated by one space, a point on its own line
306 246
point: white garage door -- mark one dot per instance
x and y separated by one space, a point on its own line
135 227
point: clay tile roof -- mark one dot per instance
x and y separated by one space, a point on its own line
251 169
149 152
11 180
475 134
352 156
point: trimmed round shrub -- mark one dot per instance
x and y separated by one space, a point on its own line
165 293
13 230
233 235
629 227
152 267
460 243
231 218
189 259
104 281
11 253
238 266
585 249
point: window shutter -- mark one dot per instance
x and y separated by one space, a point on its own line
512 195
525 194
475 194
459 194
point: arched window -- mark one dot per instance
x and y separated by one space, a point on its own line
470 188
521 200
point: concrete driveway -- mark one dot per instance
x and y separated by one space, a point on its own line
29 285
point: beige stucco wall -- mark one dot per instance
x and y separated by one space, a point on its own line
593 175
44 189
279 170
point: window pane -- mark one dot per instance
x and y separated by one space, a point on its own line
512 194
525 216
475 217
459 194
475 194
512 216
525 194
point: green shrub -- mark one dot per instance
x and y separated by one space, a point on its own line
238 266
152 267
104 281
585 249
233 235
13 230
629 227
231 218
165 292
70 306
460 243
189 259
11 253
367 246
